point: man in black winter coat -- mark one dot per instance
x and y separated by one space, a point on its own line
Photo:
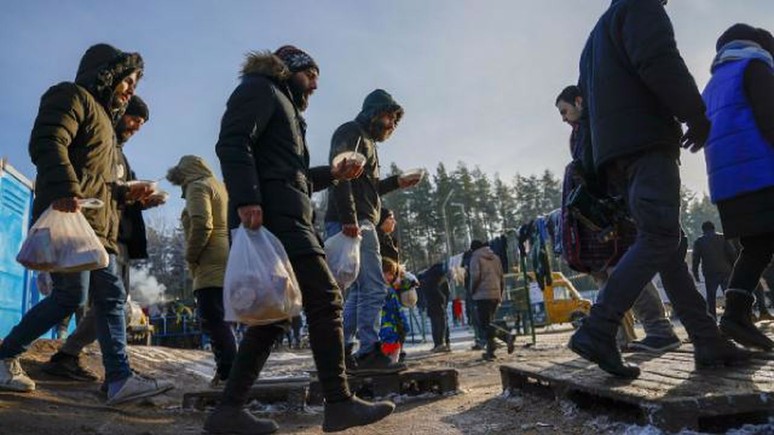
265 163
716 256
638 91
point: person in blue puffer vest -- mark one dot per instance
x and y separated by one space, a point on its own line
740 163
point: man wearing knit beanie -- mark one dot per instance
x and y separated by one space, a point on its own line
354 210
73 147
303 74
265 164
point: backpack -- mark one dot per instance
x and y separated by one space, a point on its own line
595 231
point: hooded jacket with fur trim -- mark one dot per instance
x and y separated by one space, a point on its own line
264 157
73 144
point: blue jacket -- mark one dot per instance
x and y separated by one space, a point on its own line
739 159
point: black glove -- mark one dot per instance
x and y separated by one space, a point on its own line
697 134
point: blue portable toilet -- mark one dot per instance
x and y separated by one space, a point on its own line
18 290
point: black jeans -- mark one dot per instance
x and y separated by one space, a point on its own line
439 322
486 309
471 311
755 256
209 304
650 185
322 306
711 284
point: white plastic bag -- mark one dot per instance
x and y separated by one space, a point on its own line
343 256
62 242
408 292
260 287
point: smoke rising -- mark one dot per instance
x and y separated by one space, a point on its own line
145 288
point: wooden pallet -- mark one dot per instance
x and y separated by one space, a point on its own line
412 383
293 391
669 393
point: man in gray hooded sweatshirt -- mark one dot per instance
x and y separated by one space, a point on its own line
353 209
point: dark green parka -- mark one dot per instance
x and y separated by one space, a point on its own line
73 143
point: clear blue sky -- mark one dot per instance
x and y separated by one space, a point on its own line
477 79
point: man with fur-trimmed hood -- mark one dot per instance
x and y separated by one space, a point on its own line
265 164
73 145
354 210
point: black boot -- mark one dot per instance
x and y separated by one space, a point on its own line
375 363
354 412
598 346
736 322
235 420
718 352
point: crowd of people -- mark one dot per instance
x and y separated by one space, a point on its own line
633 93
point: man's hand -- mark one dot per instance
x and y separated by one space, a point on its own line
139 192
347 169
154 200
350 230
405 181
67 205
251 216
697 134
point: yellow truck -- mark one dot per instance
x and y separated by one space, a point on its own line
559 302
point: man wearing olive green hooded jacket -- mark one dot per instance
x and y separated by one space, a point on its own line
205 225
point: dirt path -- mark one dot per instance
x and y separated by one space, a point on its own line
62 407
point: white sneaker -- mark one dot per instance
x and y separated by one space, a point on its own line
12 376
137 387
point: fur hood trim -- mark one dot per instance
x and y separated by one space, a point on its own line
265 63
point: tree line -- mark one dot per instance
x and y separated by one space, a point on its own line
479 206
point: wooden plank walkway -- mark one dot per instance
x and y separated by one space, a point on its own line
411 383
669 393
293 391
298 392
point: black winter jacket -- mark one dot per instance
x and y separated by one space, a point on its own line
131 227
635 83
264 157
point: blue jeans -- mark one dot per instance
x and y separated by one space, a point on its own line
366 296
70 291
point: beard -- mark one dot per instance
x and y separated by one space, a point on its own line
380 132
300 95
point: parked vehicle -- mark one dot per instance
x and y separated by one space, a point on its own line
559 302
